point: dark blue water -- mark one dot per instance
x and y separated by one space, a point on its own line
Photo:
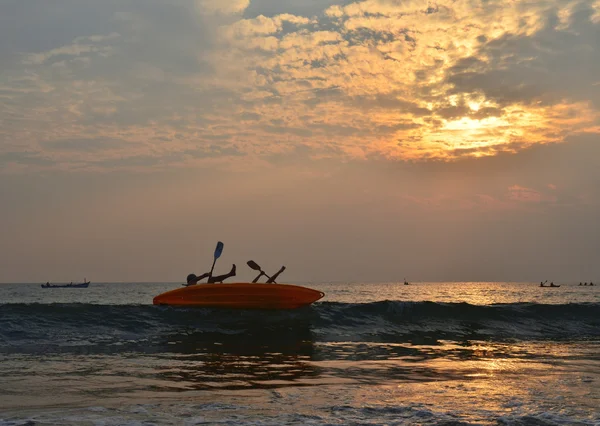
34 328
438 361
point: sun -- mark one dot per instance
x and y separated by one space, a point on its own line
474 125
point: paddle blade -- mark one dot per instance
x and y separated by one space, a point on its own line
253 265
218 250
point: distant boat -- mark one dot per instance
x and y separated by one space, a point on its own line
549 285
406 282
84 284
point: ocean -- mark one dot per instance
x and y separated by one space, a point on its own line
468 353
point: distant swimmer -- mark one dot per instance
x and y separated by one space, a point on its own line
580 283
193 279
591 283
405 282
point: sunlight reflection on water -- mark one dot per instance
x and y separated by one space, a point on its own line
475 293
334 363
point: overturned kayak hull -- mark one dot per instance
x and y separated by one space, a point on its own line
240 296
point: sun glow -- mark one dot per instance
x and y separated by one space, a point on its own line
469 124
357 80
474 105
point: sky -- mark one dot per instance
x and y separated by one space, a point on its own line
359 141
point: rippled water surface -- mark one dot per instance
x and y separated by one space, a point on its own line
427 353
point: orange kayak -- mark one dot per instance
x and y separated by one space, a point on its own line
240 296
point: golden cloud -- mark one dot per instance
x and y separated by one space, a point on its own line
403 80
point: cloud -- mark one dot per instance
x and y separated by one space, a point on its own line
81 46
528 195
399 80
222 7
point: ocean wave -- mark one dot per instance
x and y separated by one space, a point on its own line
148 328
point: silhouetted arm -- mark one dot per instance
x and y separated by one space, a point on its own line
198 278
274 277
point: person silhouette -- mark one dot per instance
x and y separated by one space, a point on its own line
274 277
193 279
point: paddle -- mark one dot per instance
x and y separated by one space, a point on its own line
256 267
193 279
218 251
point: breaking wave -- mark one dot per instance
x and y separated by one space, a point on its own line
90 328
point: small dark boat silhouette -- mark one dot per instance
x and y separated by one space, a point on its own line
84 284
